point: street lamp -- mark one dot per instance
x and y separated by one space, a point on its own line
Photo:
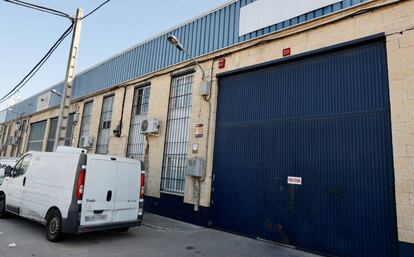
19 115
56 92
174 41
11 110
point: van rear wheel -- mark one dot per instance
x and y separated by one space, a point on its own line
54 226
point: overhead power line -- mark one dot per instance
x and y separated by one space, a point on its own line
39 8
97 8
39 65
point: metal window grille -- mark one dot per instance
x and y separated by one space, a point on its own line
5 137
37 133
177 135
139 113
18 131
69 130
52 134
105 125
86 122
22 129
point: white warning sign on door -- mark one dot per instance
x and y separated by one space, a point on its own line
294 180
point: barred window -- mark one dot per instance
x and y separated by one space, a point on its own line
37 133
69 130
52 134
105 125
139 113
86 122
177 135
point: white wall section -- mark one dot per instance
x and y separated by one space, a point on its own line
264 13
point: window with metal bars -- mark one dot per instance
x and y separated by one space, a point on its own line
69 130
20 134
37 133
105 125
86 122
5 138
52 134
177 135
136 140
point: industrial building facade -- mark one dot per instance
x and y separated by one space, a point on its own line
307 133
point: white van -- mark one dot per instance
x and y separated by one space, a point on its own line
72 192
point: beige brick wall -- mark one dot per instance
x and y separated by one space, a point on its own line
400 48
158 108
395 21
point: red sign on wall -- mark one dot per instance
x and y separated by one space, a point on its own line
222 63
294 180
287 52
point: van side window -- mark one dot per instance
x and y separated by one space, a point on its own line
22 165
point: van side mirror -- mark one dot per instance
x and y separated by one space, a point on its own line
8 171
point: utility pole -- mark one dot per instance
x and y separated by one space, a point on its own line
70 76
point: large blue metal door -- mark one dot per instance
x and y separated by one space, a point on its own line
326 119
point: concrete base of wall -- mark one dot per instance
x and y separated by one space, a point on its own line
173 207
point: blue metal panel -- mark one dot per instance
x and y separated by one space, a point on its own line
406 249
216 30
324 118
173 206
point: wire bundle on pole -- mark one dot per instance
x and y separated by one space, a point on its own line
37 67
39 8
42 61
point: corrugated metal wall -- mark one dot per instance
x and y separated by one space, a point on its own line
214 31
325 119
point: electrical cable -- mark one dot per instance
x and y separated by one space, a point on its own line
40 8
94 10
37 67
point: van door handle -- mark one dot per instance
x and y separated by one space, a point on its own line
24 181
109 196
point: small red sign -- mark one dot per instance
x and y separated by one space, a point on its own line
294 180
287 52
222 63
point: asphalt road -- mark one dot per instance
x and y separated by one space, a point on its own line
158 237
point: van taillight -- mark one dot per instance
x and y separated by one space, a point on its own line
142 188
81 185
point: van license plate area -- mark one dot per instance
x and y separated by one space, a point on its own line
96 217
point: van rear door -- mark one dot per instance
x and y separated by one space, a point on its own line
127 184
99 190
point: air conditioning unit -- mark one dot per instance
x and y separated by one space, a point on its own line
86 142
14 140
150 126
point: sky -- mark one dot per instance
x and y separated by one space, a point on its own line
26 35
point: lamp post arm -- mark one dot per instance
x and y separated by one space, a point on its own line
195 61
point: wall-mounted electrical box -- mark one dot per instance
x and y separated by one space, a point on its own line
205 88
195 168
